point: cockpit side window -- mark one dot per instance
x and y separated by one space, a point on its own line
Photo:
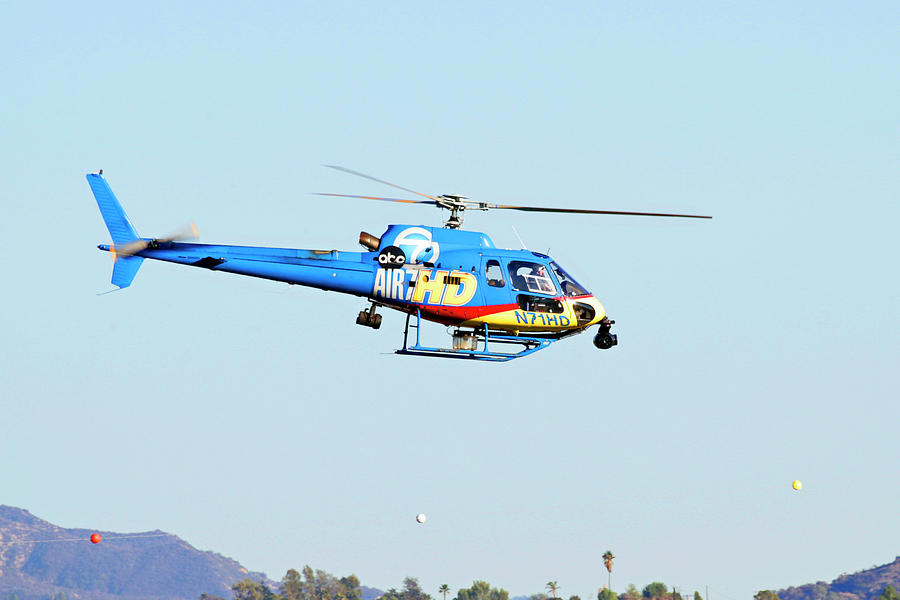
530 277
494 274
570 287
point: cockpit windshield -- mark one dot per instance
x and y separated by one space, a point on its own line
570 287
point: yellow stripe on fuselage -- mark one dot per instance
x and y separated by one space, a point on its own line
522 320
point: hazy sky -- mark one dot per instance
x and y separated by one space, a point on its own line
259 421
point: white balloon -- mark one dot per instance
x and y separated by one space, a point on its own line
420 517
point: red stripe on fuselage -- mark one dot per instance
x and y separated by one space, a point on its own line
451 315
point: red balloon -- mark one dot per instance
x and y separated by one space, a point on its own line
95 538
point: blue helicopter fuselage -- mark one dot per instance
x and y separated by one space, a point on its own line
445 275
453 277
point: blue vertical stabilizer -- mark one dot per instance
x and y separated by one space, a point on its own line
120 228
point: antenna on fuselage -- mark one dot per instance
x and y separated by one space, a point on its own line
519 237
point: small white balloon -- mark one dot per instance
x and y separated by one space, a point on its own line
420 517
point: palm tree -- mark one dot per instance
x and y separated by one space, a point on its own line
552 586
607 561
444 589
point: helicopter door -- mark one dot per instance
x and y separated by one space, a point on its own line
496 289
533 284
531 277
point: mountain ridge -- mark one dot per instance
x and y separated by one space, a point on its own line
39 559
867 584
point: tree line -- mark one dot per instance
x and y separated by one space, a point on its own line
820 591
317 584
320 585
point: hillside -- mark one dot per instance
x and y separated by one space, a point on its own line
863 585
159 566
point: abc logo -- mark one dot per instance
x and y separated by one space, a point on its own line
391 257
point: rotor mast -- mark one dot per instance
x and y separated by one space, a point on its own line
456 204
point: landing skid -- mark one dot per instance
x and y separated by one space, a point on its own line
484 338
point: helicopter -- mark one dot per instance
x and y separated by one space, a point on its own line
498 304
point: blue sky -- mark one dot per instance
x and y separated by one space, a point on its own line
258 421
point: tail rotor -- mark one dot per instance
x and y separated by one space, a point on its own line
126 243
188 232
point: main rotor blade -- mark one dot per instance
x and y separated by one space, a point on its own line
432 202
592 212
399 187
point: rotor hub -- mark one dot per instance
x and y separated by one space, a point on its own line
456 204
